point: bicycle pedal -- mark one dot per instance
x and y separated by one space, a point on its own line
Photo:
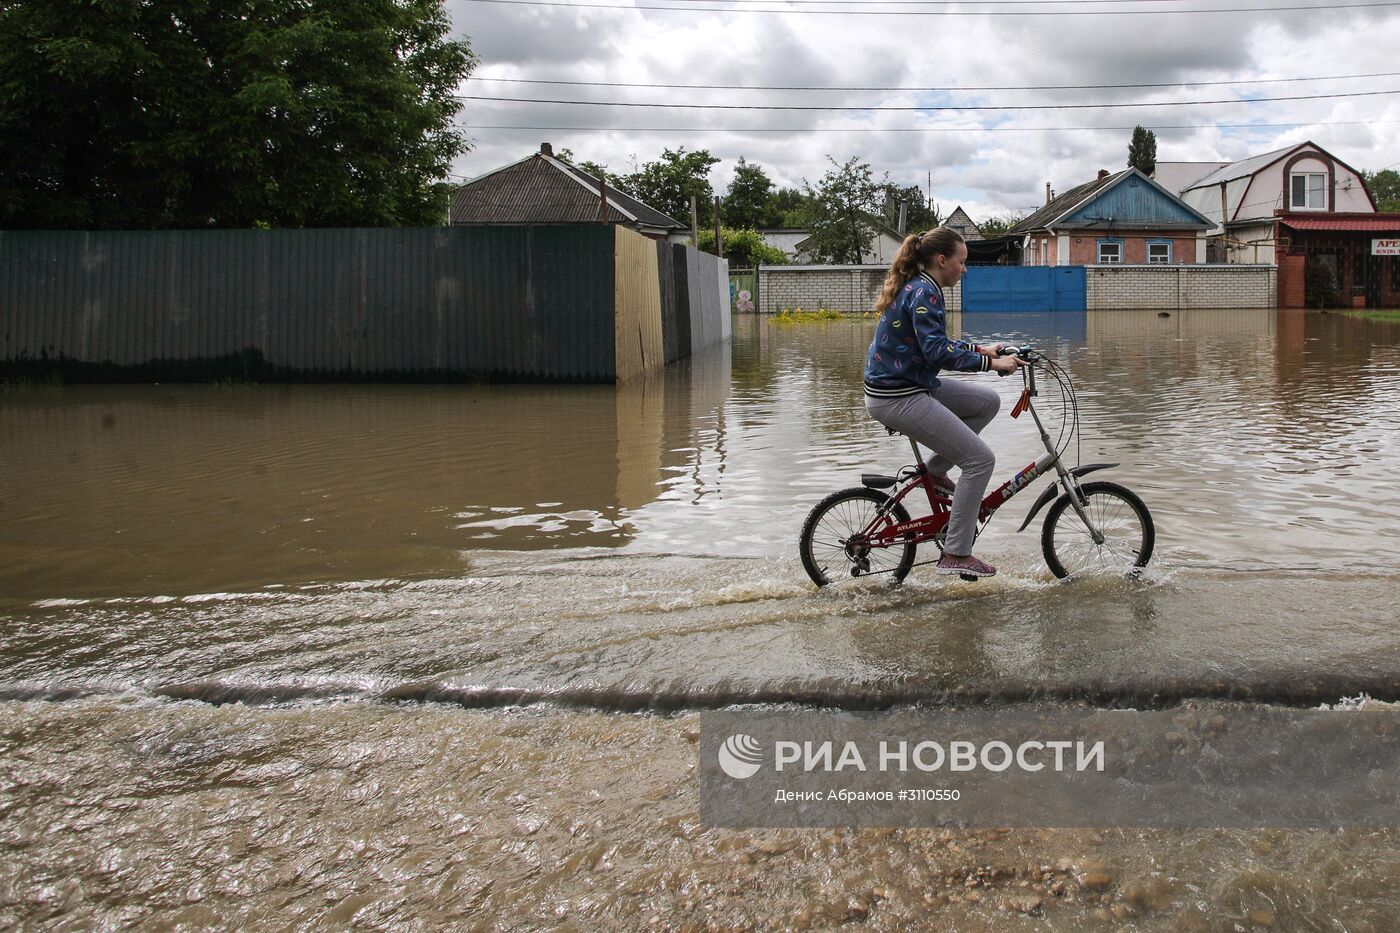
969 577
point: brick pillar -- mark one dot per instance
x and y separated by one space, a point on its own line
1290 280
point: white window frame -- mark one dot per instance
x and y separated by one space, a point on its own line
1117 246
1166 259
1314 196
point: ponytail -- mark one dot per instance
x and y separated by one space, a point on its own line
915 251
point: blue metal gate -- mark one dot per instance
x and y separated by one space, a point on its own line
1024 288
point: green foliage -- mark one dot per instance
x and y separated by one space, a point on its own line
1385 188
799 316
668 183
237 113
743 247
749 200
844 205
922 214
791 208
1142 151
993 227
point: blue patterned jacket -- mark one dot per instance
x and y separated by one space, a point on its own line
911 344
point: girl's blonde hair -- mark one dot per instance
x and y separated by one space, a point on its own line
917 250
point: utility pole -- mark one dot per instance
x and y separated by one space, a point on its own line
903 218
694 225
719 247
602 197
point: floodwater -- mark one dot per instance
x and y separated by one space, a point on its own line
400 656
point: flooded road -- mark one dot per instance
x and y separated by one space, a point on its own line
439 612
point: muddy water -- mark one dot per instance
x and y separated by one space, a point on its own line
382 576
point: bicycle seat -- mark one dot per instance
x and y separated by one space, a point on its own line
876 481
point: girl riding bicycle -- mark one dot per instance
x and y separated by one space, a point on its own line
903 391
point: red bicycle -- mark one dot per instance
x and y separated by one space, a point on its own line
1091 529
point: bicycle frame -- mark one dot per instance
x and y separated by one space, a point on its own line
928 527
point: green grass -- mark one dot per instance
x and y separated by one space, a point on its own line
799 316
1376 315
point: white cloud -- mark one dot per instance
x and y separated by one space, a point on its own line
987 172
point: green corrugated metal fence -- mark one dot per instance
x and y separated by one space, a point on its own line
510 303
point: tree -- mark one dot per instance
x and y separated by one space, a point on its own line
1142 151
668 183
748 201
743 247
186 113
922 214
1385 188
843 209
994 227
790 208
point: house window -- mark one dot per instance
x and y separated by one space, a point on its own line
1308 192
1159 252
1110 251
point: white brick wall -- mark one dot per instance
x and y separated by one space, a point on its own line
849 289
1180 287
853 289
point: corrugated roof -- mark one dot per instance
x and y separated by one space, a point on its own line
644 213
1176 177
1377 223
1062 205
542 190
1242 168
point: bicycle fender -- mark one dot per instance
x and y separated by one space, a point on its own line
1048 494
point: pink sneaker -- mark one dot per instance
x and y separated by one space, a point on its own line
968 566
943 484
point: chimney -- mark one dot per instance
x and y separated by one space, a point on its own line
1047 192
1103 173
547 149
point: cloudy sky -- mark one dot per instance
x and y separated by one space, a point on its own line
990 161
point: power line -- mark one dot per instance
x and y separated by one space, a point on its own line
862 12
1024 87
920 129
930 109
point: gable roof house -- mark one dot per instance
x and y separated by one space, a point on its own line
1243 199
540 189
962 223
1118 218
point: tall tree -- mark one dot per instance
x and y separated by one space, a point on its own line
668 183
748 202
1385 188
844 206
1142 151
190 113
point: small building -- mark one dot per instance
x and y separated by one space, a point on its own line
541 189
1337 260
1242 199
879 252
962 223
1122 218
785 239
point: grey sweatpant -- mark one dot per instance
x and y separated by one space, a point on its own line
947 421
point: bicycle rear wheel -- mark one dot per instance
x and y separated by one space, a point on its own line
1122 518
833 548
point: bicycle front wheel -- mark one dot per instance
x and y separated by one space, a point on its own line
833 544
1118 514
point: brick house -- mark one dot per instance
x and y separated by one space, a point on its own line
1122 218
